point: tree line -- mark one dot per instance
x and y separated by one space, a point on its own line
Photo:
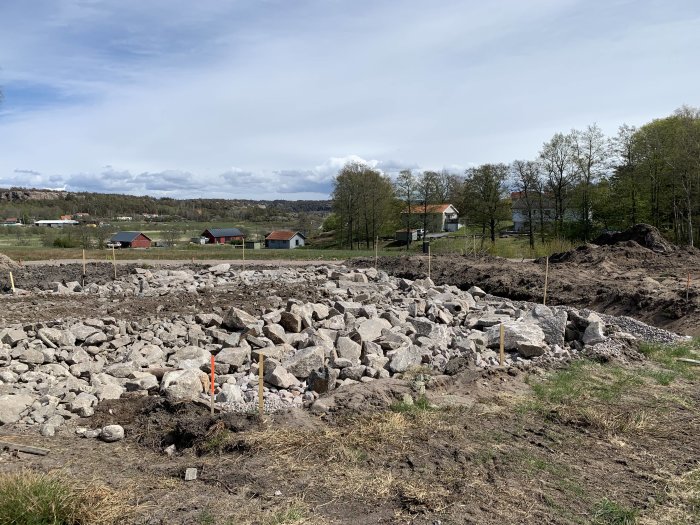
577 184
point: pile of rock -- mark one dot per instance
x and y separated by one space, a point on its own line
369 326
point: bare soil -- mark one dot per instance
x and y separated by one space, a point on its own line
484 457
620 279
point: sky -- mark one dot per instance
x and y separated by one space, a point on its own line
268 99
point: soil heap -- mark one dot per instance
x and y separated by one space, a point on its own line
7 264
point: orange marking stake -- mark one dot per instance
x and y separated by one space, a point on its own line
211 385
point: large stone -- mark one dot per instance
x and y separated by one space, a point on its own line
322 380
526 338
404 359
277 375
303 362
82 332
237 357
32 356
291 322
142 381
552 323
275 333
14 336
56 337
112 433
220 268
595 333
237 319
190 357
181 385
350 307
13 406
230 393
348 349
371 329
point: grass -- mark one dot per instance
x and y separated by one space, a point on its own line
419 405
667 357
608 512
609 398
31 498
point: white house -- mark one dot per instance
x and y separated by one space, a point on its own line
58 223
285 240
439 217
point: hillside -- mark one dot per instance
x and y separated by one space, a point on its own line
46 204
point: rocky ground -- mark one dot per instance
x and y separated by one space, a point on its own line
385 396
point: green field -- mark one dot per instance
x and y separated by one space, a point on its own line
31 244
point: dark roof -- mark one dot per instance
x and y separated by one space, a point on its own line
224 232
127 236
283 235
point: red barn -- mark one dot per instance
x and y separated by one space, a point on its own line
222 235
132 240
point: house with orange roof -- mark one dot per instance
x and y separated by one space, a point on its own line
439 217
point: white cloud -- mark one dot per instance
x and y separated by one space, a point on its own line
173 92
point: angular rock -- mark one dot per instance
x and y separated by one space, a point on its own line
526 338
291 322
13 406
181 385
371 329
404 359
236 357
304 361
237 319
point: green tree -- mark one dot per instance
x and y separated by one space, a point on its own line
485 194
559 167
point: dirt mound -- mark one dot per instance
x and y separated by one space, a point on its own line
7 264
643 234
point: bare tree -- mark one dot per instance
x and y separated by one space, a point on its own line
557 160
428 191
528 180
405 186
590 154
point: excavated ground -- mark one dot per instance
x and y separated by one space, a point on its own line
499 448
621 279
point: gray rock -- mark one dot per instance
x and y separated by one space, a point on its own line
31 356
276 375
552 323
291 322
230 393
526 338
304 361
275 333
180 385
56 337
190 474
238 319
322 380
595 333
346 348
404 359
112 433
371 329
190 357
13 406
237 357
14 336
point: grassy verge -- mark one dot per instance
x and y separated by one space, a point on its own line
30 498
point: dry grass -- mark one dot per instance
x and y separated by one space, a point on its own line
681 504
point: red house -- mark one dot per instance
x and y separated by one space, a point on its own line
132 240
222 235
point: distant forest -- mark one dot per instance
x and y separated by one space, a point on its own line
36 204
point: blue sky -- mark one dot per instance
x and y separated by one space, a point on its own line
269 98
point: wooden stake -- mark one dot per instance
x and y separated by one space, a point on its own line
428 260
546 276
211 386
501 355
83 267
114 263
12 282
376 252
261 401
